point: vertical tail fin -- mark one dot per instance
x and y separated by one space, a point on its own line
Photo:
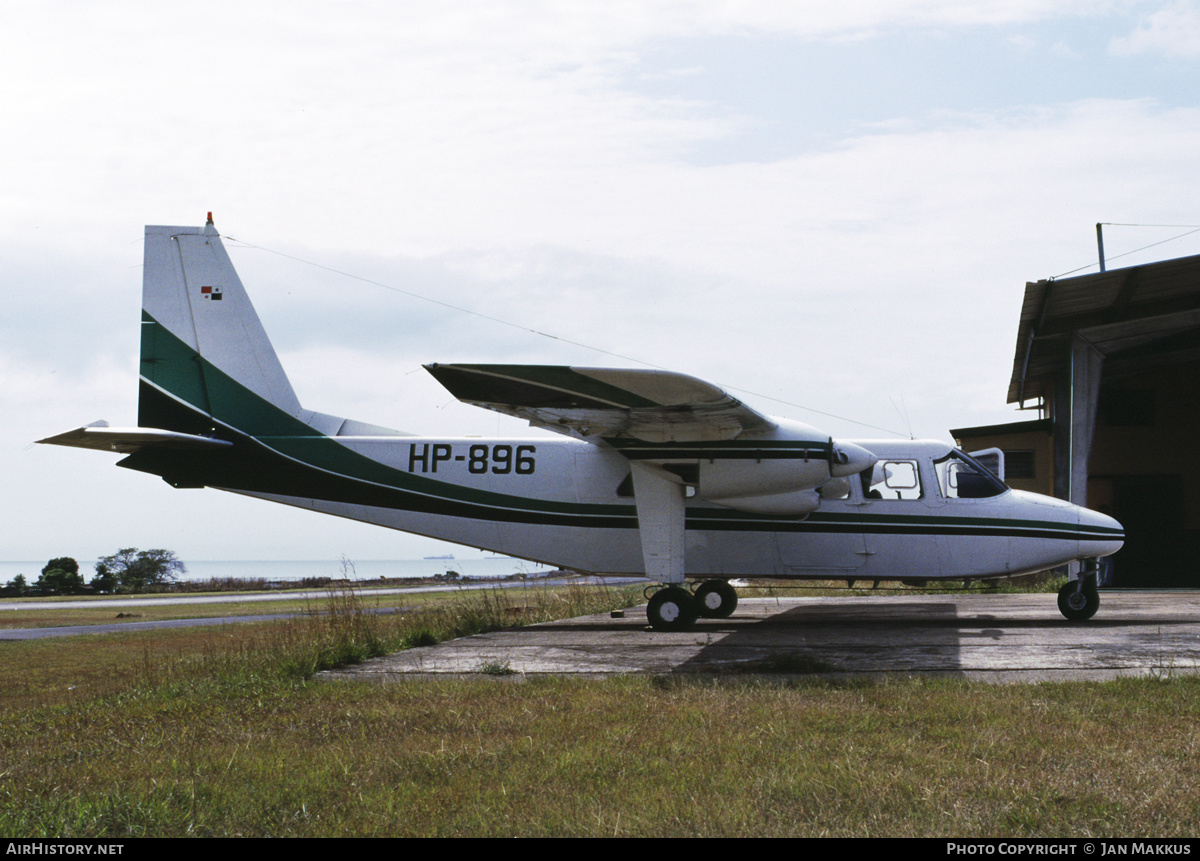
205 357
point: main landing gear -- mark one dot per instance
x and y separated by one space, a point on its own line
674 608
1080 599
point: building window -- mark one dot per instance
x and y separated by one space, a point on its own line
1019 464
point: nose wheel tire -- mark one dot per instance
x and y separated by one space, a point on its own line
716 599
1078 602
672 609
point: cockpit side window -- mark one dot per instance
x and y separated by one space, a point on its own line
962 477
892 479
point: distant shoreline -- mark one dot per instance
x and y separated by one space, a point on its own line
299 570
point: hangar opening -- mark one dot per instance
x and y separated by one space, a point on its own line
1111 361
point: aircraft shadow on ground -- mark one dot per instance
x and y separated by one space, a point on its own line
902 638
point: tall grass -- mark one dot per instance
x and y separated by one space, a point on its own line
344 628
341 628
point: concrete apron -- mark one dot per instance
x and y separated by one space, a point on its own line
996 638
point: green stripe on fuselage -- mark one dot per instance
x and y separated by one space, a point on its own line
193 383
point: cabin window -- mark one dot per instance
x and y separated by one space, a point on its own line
893 479
962 477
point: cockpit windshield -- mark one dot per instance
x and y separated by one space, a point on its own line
962 477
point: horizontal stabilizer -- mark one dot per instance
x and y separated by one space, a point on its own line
654 406
101 437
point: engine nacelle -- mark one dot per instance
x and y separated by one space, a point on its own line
738 479
798 503
785 486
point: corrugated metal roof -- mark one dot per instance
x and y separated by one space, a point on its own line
1113 311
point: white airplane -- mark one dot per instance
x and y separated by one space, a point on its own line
661 474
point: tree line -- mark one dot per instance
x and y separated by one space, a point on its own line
126 571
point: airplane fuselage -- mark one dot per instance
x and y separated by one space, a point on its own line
569 504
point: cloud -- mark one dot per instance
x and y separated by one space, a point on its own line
513 159
1173 31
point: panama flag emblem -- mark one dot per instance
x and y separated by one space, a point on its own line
213 293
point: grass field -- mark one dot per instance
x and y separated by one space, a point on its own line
224 732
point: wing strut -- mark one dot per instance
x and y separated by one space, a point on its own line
660 508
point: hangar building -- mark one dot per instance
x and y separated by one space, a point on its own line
1112 363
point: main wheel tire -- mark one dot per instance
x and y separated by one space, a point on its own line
1076 603
716 599
671 609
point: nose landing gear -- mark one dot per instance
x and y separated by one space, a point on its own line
1080 599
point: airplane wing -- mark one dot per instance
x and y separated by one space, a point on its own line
680 435
651 406
100 437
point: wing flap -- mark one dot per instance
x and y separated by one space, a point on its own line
654 406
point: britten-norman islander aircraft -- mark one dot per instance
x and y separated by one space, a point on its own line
661 474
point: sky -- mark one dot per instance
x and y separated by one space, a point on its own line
829 209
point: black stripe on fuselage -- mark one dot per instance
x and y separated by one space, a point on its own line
724 450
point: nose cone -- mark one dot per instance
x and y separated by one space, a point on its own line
1099 534
847 458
